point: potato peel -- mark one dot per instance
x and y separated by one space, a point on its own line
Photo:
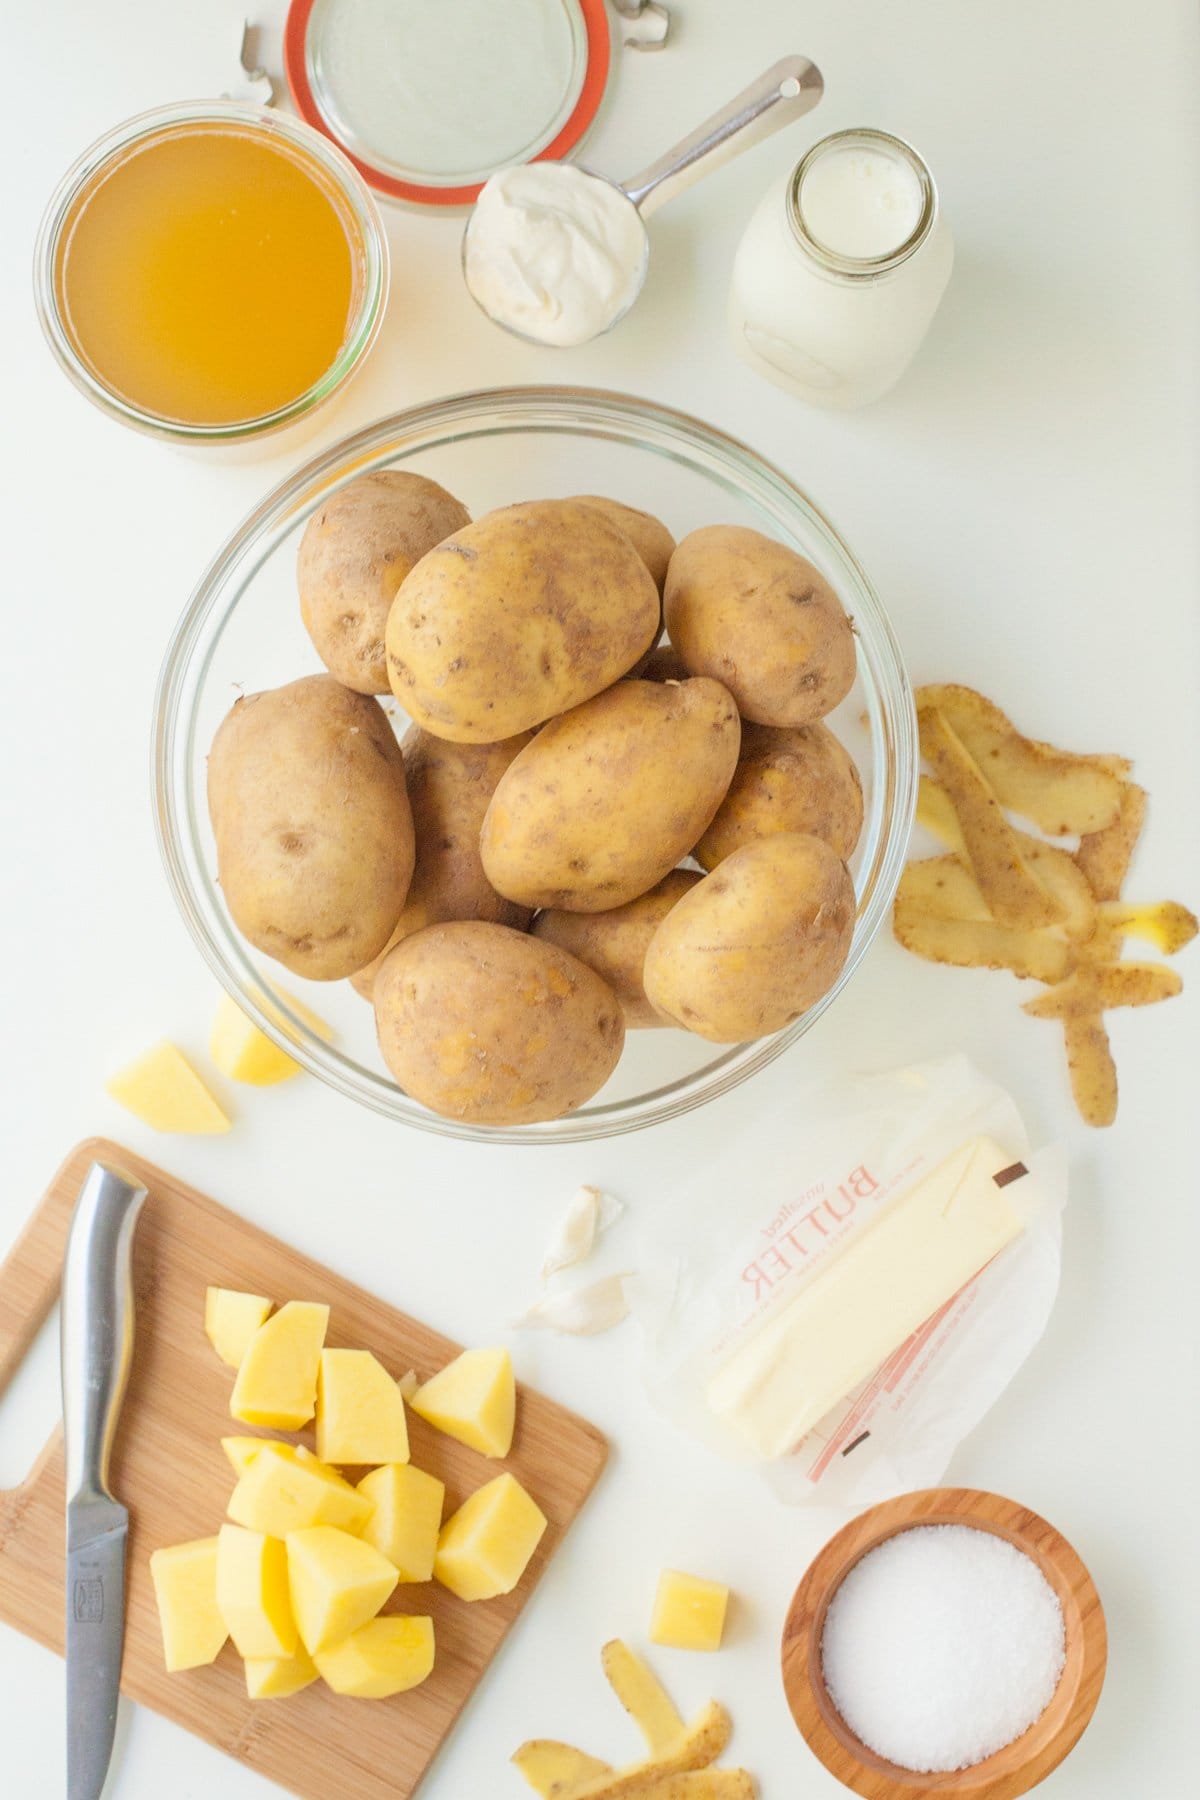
1104 856
1014 895
697 1784
1164 923
981 944
643 1697
1092 1069
556 1771
701 1744
1062 792
948 912
1099 987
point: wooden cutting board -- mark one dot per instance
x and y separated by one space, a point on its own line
171 1472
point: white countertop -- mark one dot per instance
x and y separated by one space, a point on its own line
1026 494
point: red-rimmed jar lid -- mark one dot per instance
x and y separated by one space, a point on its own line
429 97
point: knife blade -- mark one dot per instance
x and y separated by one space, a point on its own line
96 1352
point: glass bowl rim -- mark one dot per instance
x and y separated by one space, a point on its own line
338 168
579 410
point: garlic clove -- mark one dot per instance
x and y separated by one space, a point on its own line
582 1311
588 1216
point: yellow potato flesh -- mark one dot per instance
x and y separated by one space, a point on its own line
281 1493
276 1382
163 1090
231 1320
406 1519
485 1547
473 1399
336 1583
643 1697
275 1677
242 1451
689 1613
384 1657
360 1411
252 1592
244 1053
185 1587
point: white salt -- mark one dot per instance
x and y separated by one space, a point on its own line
941 1646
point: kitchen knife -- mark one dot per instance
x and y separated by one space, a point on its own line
96 1350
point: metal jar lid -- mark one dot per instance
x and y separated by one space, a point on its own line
400 86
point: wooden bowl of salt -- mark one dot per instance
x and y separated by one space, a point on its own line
908 1658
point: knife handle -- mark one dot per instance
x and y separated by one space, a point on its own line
97 1323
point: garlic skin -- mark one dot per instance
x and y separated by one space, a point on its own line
582 1311
588 1216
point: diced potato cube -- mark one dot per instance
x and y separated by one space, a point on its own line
242 1451
275 1677
337 1584
163 1090
243 1052
360 1410
252 1592
282 1492
407 1517
689 1613
185 1587
473 1399
276 1382
231 1320
484 1548
383 1657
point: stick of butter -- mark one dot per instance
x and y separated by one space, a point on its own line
866 1299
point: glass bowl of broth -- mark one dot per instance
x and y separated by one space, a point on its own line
210 271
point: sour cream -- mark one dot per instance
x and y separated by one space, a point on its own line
553 253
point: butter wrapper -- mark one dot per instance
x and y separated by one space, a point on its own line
846 1319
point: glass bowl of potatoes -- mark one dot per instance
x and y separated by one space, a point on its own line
514 998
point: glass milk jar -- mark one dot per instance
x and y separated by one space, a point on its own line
841 269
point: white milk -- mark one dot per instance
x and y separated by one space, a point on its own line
840 270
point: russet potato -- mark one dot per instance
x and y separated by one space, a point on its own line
528 611
355 552
756 943
664 663
615 943
753 614
449 787
648 535
483 1024
312 824
608 797
787 780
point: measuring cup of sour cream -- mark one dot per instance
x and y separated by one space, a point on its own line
557 254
